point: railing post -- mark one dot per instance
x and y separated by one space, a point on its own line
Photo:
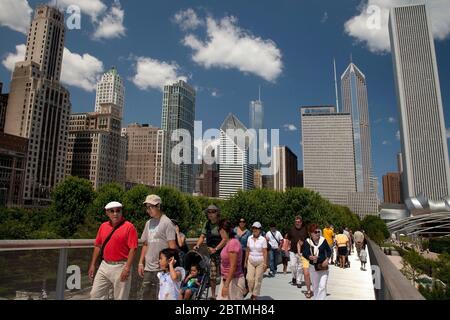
61 276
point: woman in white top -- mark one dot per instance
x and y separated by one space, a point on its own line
255 260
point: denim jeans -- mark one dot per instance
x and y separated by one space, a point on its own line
273 258
150 286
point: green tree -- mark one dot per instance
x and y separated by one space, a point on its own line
375 228
71 200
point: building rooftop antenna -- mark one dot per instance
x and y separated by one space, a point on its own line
336 86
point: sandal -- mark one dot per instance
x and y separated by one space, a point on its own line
309 294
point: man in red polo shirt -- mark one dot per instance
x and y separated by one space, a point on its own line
118 255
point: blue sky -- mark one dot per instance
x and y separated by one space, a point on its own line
289 45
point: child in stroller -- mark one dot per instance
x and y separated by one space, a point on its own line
195 285
191 284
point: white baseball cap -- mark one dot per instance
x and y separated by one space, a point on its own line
153 199
257 225
113 205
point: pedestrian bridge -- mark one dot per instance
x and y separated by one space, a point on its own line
59 267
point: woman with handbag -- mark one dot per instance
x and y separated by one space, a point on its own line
317 251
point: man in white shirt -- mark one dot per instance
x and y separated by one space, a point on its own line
274 239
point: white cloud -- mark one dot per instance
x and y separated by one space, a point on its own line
215 93
11 58
391 120
289 127
187 19
324 18
155 74
111 25
80 71
397 135
365 28
15 14
228 46
92 8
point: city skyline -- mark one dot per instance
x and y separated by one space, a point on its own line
305 78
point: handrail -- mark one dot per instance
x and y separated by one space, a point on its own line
20 245
394 285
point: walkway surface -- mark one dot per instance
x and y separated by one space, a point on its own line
343 284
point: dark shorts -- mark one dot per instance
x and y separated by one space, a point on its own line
342 251
214 267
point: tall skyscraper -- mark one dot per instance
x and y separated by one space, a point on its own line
235 171
110 89
96 149
355 102
256 116
284 163
178 113
39 107
422 127
328 156
144 154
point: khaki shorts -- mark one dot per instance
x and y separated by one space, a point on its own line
305 263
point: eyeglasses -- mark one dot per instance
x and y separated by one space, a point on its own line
150 206
317 232
212 211
242 221
115 210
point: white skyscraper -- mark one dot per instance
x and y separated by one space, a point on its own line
328 157
422 127
110 89
355 102
235 171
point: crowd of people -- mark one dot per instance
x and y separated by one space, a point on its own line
238 257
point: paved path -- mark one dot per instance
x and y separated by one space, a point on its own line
343 284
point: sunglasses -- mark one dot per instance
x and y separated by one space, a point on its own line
241 221
115 210
150 206
212 211
317 232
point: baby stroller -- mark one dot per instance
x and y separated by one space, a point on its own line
194 257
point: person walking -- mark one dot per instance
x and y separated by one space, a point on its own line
215 243
328 234
159 234
242 234
285 248
297 235
363 258
274 239
359 240
342 243
232 284
255 260
115 247
318 252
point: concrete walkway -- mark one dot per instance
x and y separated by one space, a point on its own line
343 284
